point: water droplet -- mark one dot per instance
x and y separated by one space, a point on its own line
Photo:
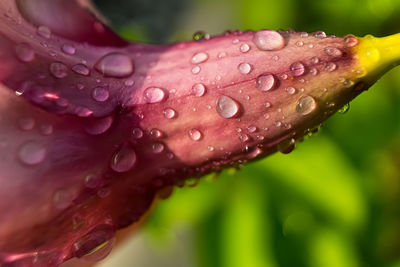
227 107
98 126
154 95
124 159
244 138
26 124
62 199
306 105
344 109
199 58
46 129
198 89
196 70
222 55
156 133
269 40
278 124
44 32
58 70
80 86
83 112
115 65
297 69
266 82
252 128
137 133
157 147
68 49
195 134
320 34
93 181
314 71
350 41
169 113
275 58
331 66
291 90
244 68
32 153
100 94
210 148
25 52
333 52
267 104
129 83
81 69
95 245
315 60
304 35
244 48
287 146
300 43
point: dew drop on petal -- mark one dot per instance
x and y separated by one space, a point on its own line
244 48
333 52
320 34
351 41
58 70
244 138
157 147
25 52
129 83
315 60
269 40
62 199
99 125
297 69
252 128
154 95
137 133
196 70
93 181
68 49
44 32
306 105
46 129
244 68
331 66
81 69
32 153
266 82
95 245
115 65
199 58
124 159
169 113
227 107
100 94
195 134
287 146
198 89
291 90
156 133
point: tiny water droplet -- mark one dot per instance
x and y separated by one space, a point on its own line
44 32
137 133
297 69
46 129
25 52
169 113
115 65
244 138
62 199
158 147
156 133
314 71
26 124
244 48
196 70
81 69
83 112
252 128
68 49
287 146
306 105
199 58
350 41
244 68
333 52
331 66
269 40
320 34
154 95
266 82
32 153
227 107
291 90
300 43
100 94
195 134
129 83
198 89
315 60
58 70
124 159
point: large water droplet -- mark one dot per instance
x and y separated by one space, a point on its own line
124 159
154 95
199 58
81 69
58 70
32 153
244 68
268 40
24 52
306 105
198 89
195 134
297 69
266 82
100 94
115 65
227 107
68 49
44 32
95 245
99 125
287 146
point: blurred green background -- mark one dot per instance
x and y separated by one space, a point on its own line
332 202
